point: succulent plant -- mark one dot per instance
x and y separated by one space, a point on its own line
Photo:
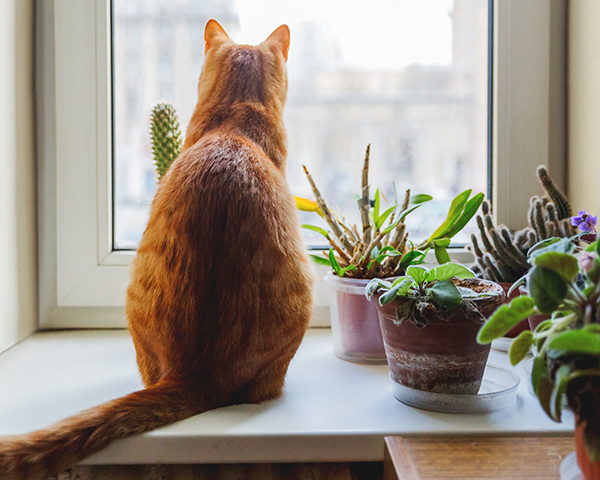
165 135
500 253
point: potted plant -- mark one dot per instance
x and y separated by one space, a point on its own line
430 320
378 248
563 282
501 254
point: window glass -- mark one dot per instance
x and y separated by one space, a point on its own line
409 77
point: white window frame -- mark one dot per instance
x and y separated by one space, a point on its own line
83 282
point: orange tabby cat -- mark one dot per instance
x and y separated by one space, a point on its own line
220 295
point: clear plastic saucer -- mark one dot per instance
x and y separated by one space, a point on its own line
498 391
569 470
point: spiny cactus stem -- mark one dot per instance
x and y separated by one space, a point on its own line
562 204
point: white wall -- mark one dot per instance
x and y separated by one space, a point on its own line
18 284
584 105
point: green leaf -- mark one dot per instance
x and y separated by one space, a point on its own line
419 274
441 254
456 207
406 212
314 228
376 207
562 263
547 288
580 341
374 285
411 258
334 264
381 220
401 289
538 371
517 284
349 268
561 380
520 346
421 198
446 295
469 212
505 318
449 270
320 260
562 245
391 226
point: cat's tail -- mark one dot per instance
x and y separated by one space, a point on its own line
47 452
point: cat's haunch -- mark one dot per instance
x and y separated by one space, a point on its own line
220 291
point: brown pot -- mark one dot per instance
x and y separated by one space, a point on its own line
589 470
354 322
443 356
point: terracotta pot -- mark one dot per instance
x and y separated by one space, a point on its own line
443 356
523 324
589 470
354 322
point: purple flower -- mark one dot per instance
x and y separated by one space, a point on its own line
584 221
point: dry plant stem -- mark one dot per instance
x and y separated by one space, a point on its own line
365 202
332 222
349 233
344 257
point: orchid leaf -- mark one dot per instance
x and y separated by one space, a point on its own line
439 248
320 260
421 198
468 213
406 212
320 230
456 208
413 257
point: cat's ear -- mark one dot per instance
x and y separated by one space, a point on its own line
281 38
214 35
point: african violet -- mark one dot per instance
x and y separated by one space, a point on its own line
563 281
423 287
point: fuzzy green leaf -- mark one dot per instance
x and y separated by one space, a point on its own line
562 263
446 295
400 289
547 288
580 341
419 274
561 380
520 346
505 318
449 270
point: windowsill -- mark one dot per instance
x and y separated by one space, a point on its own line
332 410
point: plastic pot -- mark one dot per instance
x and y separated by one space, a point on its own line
589 470
354 322
443 356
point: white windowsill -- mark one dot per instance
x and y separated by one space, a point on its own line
332 410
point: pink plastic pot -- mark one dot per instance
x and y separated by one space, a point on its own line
354 322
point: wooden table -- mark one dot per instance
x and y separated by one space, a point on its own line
420 458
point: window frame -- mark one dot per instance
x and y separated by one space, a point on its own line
83 281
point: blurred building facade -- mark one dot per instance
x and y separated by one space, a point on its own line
427 124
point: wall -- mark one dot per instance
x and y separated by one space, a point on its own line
584 105
18 284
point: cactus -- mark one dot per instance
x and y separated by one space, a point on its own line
165 135
501 254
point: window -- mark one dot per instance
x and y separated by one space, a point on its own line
413 82
83 278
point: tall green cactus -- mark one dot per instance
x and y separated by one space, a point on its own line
501 254
165 135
